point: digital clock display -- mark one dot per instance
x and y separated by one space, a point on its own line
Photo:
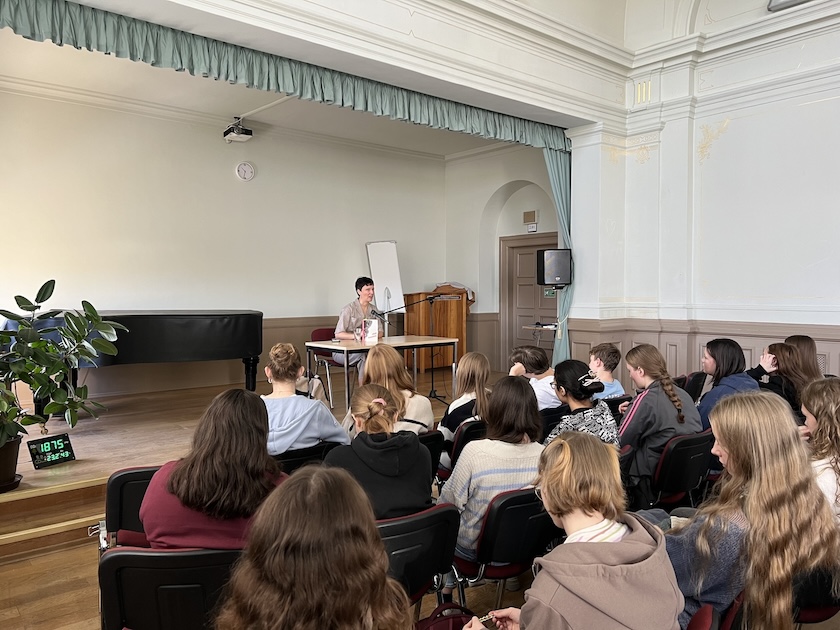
50 451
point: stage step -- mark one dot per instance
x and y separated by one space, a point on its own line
32 521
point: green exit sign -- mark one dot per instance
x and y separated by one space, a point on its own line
549 292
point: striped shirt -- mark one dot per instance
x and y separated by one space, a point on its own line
484 469
605 531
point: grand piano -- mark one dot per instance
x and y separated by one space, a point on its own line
176 336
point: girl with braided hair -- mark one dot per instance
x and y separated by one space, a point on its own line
393 467
661 411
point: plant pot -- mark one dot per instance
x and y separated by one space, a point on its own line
9 480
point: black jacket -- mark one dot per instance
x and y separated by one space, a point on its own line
395 470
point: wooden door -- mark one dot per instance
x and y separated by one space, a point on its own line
522 301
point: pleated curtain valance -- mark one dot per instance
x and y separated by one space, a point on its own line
80 26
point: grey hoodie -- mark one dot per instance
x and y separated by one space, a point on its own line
606 585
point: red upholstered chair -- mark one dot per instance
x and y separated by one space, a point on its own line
707 618
124 493
682 467
162 589
421 548
324 357
515 530
733 617
466 433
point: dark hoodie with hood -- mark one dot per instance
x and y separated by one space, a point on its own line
395 470
606 585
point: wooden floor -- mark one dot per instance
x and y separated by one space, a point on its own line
49 577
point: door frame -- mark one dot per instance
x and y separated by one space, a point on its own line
507 247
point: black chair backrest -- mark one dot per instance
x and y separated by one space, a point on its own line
694 383
433 440
680 380
466 433
420 546
615 403
551 417
124 493
292 460
813 590
162 589
684 463
516 529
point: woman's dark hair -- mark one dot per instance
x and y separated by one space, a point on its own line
228 471
314 559
533 358
513 412
363 282
728 356
573 376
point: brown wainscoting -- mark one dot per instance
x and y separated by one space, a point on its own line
682 341
483 335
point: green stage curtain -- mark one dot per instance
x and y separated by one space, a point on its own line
559 165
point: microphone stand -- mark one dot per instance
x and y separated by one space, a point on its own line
430 299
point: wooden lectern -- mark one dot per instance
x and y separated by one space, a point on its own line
450 320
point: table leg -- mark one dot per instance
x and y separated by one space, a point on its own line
414 365
346 380
454 366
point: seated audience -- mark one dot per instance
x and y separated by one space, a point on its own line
611 560
295 421
723 360
385 366
471 399
314 559
532 363
781 364
576 386
807 355
821 408
207 498
767 523
603 360
661 411
506 460
393 468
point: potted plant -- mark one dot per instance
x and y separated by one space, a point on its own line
42 351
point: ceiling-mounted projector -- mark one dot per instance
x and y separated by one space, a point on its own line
235 132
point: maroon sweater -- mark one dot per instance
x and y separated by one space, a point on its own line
169 524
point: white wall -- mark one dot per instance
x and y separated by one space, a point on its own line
147 213
485 198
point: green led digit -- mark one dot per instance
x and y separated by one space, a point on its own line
46 447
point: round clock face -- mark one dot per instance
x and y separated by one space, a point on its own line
245 171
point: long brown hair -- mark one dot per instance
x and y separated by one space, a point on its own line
314 560
385 366
472 376
822 399
375 407
807 354
789 366
768 479
513 412
648 358
228 471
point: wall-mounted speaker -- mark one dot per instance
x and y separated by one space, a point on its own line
554 267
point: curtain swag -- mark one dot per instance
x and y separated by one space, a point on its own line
80 26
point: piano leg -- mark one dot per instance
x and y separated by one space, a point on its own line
251 372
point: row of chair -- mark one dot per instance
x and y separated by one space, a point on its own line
152 589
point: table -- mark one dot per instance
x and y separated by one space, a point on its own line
405 342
